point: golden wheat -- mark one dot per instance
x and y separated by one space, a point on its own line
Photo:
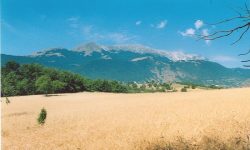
125 121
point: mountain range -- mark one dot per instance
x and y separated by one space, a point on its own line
137 63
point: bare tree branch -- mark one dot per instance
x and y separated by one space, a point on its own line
245 61
247 66
226 32
246 7
243 18
242 34
229 19
245 53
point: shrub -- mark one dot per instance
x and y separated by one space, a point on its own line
143 87
193 87
161 90
184 89
7 101
168 86
42 116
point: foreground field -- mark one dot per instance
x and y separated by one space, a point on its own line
126 121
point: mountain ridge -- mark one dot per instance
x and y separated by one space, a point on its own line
91 47
136 63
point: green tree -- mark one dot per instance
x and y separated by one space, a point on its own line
118 87
134 85
167 86
9 84
31 71
10 66
143 87
105 86
44 85
29 79
57 86
24 87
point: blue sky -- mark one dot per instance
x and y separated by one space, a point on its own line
32 25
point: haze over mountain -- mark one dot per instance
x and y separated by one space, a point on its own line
136 63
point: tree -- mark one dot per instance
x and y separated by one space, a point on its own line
23 87
29 79
167 86
44 84
118 87
31 71
57 86
134 85
143 87
105 86
11 66
243 18
9 84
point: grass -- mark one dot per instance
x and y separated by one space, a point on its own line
85 120
205 143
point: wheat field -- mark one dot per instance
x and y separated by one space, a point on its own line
124 121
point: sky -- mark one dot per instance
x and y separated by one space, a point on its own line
33 25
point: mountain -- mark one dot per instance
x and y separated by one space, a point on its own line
136 63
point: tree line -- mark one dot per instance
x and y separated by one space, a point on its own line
28 79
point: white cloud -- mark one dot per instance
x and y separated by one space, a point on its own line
91 34
74 25
162 24
205 32
73 22
137 23
119 37
189 32
73 19
198 24
87 29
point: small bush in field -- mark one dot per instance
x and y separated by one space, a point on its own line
193 87
184 89
7 101
42 116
